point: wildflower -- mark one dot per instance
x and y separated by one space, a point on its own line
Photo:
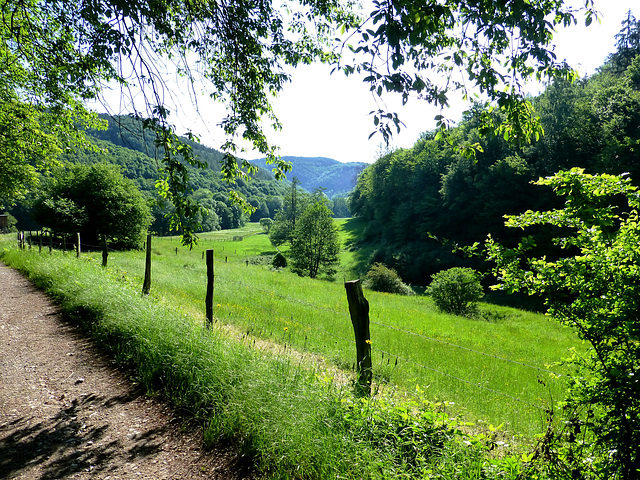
368 342
218 305
286 328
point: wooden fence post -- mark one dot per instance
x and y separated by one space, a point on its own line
146 286
78 247
105 251
359 310
40 242
210 280
50 243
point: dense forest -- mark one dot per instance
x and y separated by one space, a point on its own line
417 202
126 144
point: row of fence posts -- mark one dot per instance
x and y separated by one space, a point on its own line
26 240
358 310
358 304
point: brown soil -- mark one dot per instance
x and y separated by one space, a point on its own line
66 412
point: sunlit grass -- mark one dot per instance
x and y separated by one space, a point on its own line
452 359
287 419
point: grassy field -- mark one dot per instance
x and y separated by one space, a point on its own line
491 372
256 380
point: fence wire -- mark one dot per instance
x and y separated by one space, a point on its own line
343 314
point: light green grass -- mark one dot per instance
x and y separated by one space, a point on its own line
286 420
312 315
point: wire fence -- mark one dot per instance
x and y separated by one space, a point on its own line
344 339
399 357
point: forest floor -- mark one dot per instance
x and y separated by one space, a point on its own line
67 412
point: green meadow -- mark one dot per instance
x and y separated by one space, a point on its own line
501 370
454 397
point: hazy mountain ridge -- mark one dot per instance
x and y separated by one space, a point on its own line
338 178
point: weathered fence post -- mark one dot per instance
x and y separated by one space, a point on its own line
359 310
146 286
64 244
105 251
50 243
210 280
40 242
78 247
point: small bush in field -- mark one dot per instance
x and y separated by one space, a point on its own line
383 279
279 261
456 290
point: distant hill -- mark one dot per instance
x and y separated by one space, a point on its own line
336 177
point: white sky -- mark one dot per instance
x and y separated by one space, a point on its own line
327 115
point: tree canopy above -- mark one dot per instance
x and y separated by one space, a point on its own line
55 54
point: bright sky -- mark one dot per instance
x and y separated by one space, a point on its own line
327 115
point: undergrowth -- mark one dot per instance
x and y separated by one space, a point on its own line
287 417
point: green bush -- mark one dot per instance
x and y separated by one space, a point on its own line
456 290
279 261
383 279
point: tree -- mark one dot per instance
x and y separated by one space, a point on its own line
340 208
284 224
592 285
266 224
25 148
627 43
315 247
96 201
55 54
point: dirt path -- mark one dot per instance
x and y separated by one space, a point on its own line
67 413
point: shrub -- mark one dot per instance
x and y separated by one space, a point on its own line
279 261
456 290
383 279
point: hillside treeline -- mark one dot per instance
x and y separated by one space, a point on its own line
417 202
126 144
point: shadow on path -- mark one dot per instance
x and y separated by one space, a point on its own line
63 444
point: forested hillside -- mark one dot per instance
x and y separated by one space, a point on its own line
412 200
337 178
124 143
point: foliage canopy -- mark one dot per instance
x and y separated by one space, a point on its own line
593 286
94 200
315 245
55 54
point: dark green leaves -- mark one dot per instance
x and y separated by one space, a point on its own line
427 48
592 286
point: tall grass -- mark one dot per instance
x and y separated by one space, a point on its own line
286 419
479 368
